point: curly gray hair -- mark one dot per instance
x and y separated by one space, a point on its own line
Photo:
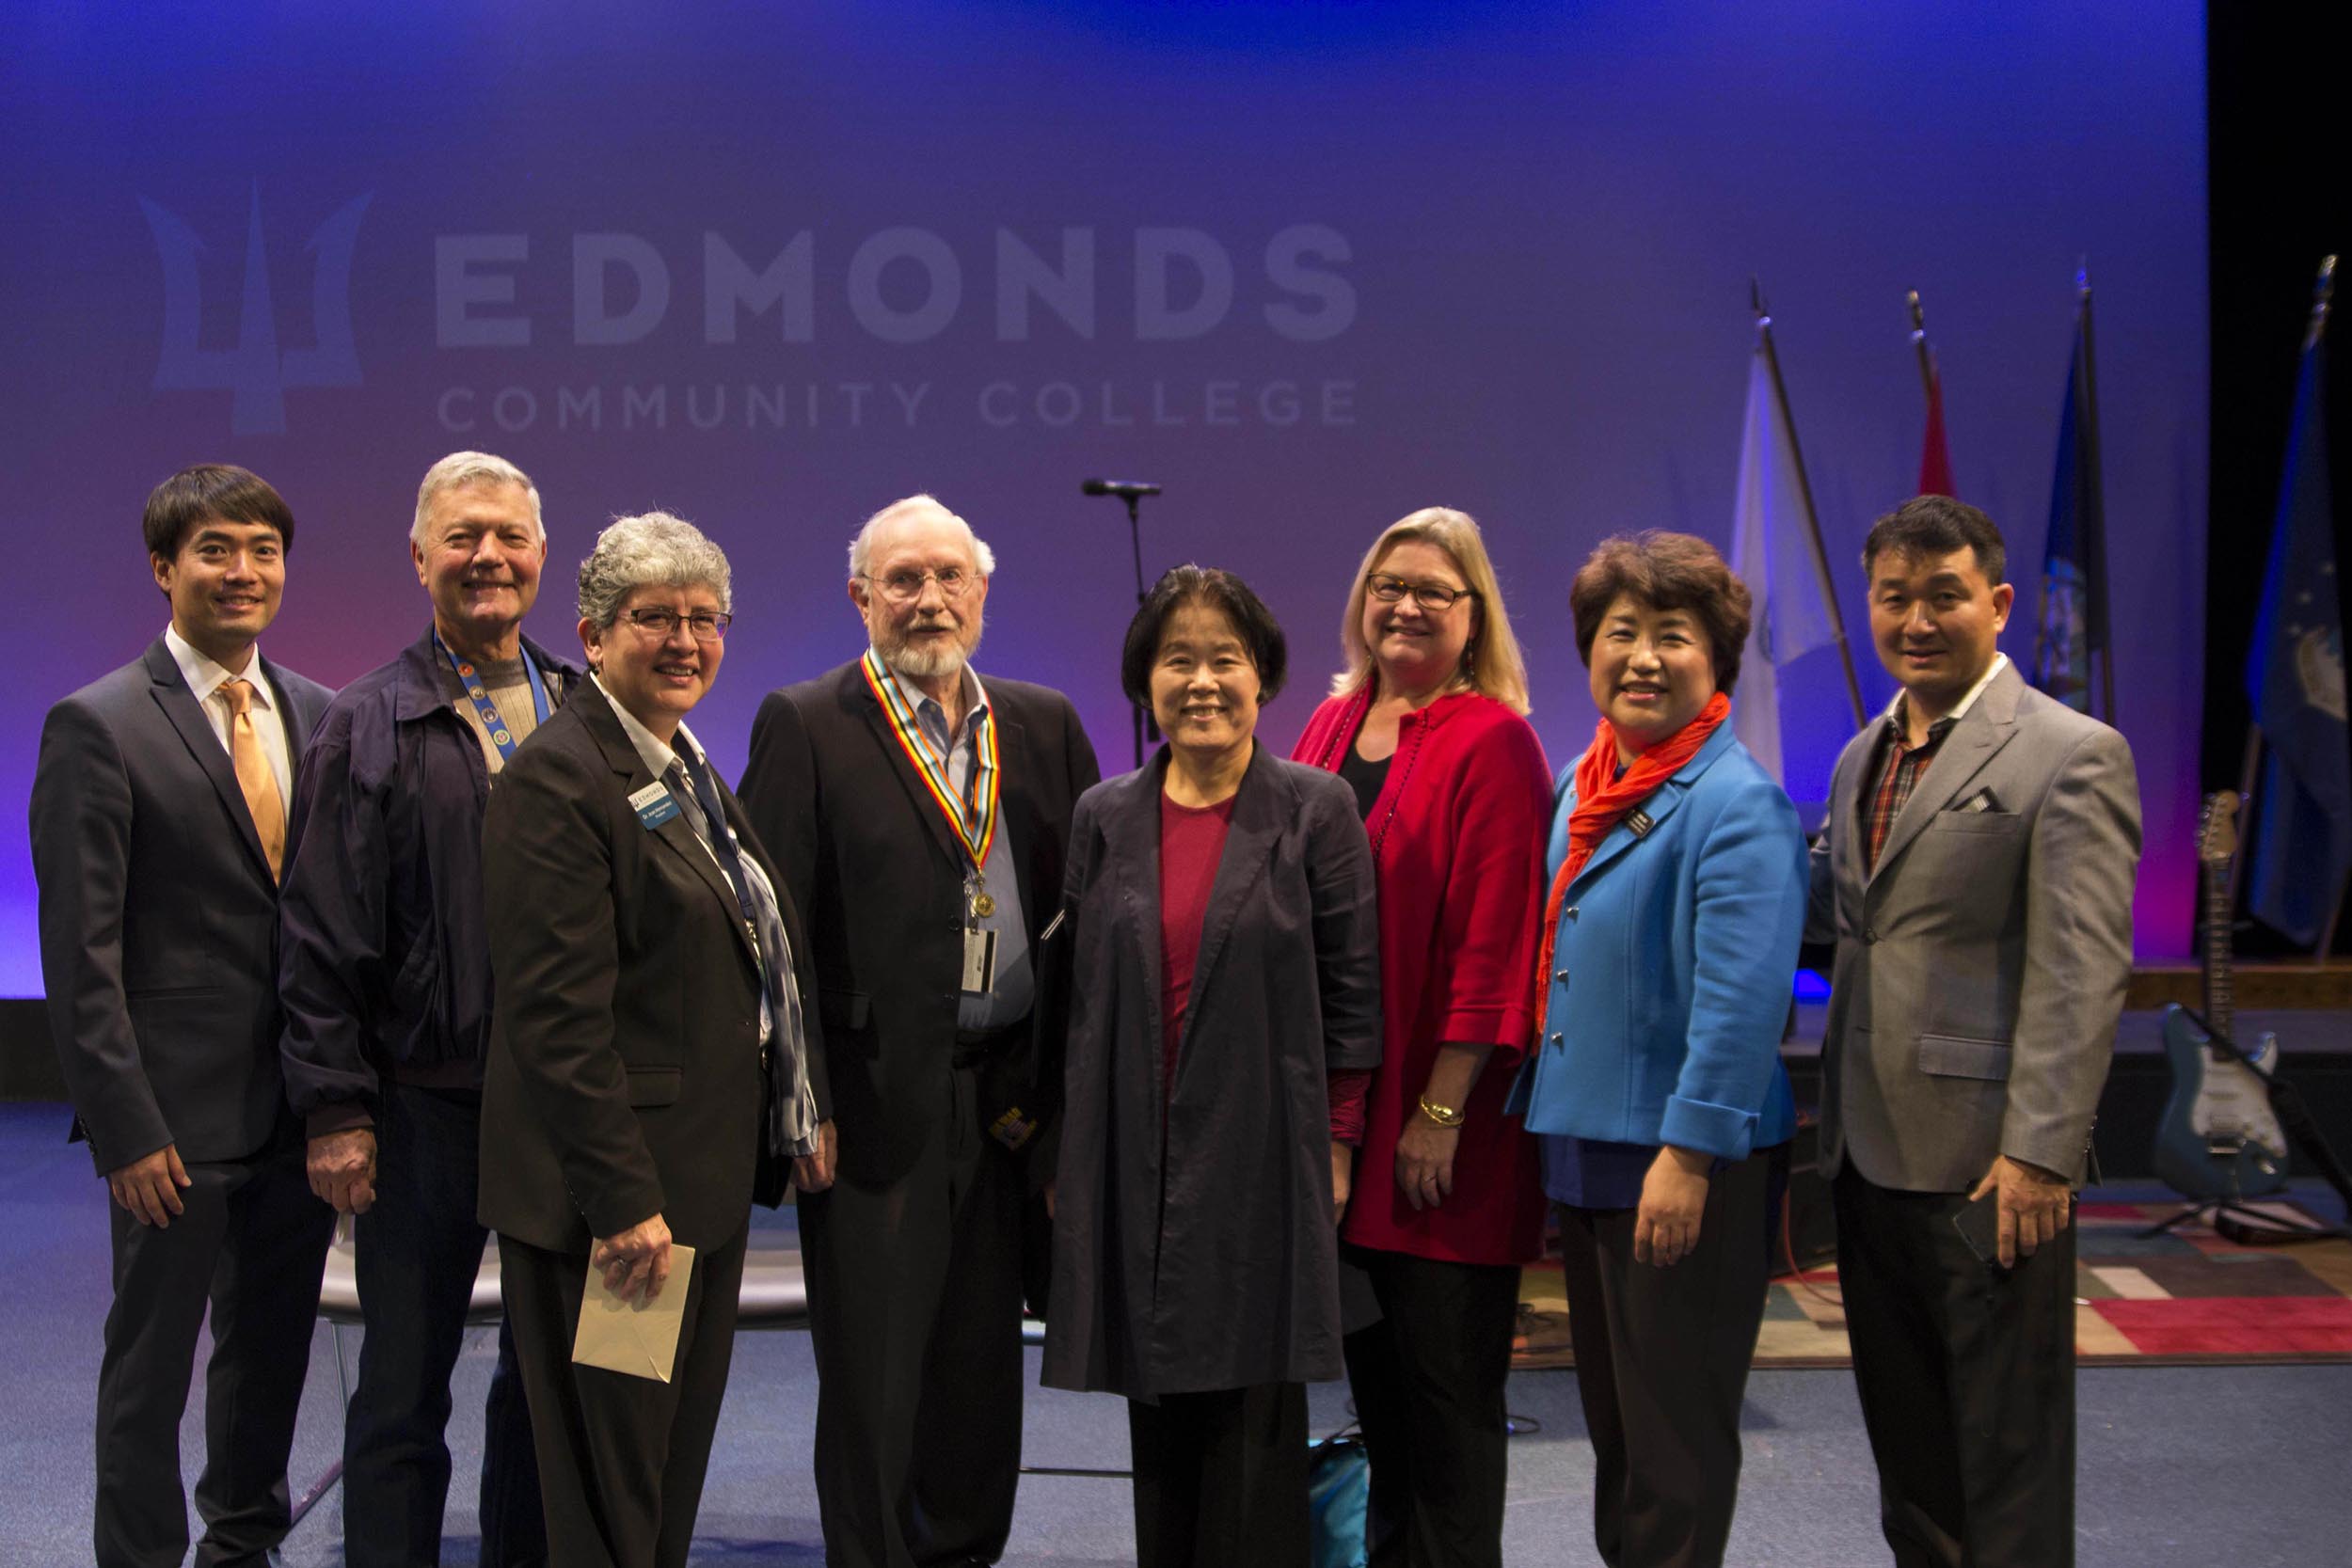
651 548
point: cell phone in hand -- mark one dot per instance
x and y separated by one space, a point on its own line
1980 1225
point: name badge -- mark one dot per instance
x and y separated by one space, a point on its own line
653 805
979 962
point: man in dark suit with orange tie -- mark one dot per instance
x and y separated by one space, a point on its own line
158 835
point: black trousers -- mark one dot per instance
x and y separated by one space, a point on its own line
251 1245
621 1458
1221 1478
1662 1361
419 1247
914 1315
1967 1374
1427 1381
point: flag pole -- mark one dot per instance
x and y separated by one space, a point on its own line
1805 493
1919 342
2323 293
2090 437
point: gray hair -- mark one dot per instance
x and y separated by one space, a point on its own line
470 467
655 550
862 547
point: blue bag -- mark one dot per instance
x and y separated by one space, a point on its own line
1339 1495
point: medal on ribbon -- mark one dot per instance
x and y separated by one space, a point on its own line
972 813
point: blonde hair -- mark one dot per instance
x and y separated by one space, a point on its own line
1491 661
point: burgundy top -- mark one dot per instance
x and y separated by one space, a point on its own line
1457 839
1192 841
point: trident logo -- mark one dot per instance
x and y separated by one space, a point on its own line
255 370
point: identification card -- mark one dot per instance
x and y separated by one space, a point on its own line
979 962
653 805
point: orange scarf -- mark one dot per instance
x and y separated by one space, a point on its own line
1603 799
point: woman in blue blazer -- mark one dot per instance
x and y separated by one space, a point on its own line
1656 1087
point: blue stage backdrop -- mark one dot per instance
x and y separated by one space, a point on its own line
1310 267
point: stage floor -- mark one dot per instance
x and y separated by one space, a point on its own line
2182 1468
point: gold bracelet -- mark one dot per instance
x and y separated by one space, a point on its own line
1444 1116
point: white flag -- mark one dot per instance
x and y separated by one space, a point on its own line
1772 550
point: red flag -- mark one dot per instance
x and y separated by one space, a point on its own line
1935 458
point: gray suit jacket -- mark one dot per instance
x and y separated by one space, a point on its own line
159 915
1980 967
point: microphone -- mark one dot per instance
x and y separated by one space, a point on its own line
1126 490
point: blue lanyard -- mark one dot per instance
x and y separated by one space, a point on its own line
492 725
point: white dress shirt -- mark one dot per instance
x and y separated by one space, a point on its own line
205 679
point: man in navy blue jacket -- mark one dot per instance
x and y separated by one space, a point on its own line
387 989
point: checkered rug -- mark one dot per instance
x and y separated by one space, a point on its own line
2190 1297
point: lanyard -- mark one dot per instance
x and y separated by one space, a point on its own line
980 791
501 736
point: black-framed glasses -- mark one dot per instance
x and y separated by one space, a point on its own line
1435 597
706 625
905 585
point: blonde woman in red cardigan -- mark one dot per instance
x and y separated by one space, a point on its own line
1426 722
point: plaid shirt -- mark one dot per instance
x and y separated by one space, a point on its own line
1900 764
1900 767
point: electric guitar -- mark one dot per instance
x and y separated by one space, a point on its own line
2219 1139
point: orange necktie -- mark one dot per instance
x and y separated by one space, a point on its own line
254 776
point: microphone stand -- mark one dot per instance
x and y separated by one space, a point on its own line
1145 727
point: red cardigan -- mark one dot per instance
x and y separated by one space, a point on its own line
1458 835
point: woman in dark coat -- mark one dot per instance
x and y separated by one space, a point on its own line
1224 1018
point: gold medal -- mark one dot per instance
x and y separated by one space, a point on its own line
983 903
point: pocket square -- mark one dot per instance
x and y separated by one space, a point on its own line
1982 800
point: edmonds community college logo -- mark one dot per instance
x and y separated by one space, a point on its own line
256 370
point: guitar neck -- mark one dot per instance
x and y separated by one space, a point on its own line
2218 964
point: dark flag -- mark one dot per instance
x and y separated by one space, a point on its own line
1935 457
2074 622
2302 843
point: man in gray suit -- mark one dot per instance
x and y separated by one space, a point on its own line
158 833
1976 873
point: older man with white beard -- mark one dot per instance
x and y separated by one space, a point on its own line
920 817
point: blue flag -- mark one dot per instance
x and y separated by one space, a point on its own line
2074 619
2302 844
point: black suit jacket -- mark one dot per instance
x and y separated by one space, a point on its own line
869 856
159 915
623 1071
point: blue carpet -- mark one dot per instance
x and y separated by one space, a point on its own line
2181 1467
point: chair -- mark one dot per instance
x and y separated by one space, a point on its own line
773 1296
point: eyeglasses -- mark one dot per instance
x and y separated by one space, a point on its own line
1435 597
660 623
905 586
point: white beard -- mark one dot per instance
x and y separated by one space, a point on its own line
933 661
924 664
